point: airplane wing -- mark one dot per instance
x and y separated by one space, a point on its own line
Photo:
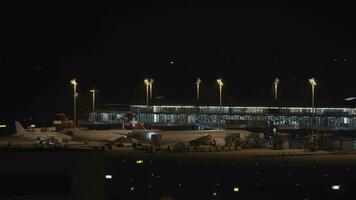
204 140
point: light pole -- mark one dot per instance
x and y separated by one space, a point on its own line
313 84
198 85
147 83
151 83
75 94
94 91
220 83
275 86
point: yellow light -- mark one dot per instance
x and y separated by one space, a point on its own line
2 125
236 189
73 82
336 187
276 81
32 126
139 161
198 81
312 81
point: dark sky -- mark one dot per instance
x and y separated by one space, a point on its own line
114 47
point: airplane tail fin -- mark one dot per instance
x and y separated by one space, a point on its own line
19 128
134 124
62 122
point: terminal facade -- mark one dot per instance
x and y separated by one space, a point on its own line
234 116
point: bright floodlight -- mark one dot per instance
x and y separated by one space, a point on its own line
336 187
146 81
276 81
151 81
73 82
139 161
236 189
94 90
198 81
220 82
312 82
108 176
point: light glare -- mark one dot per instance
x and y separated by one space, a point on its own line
336 187
73 82
312 82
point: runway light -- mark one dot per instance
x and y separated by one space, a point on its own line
2 125
139 161
108 176
336 187
236 189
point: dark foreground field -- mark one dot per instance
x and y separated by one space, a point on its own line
80 174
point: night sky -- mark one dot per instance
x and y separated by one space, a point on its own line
114 47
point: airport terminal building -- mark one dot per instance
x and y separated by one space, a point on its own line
233 116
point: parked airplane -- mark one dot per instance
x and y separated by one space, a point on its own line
192 138
47 137
67 127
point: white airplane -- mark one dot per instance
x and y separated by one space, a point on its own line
90 136
41 137
175 138
104 136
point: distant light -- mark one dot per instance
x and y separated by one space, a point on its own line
2 125
312 82
236 189
336 187
220 82
73 82
172 62
139 161
276 81
32 126
132 188
214 194
198 81
350 98
108 176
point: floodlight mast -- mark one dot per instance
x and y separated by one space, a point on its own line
75 94
313 84
93 91
147 83
275 85
220 83
198 87
151 83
